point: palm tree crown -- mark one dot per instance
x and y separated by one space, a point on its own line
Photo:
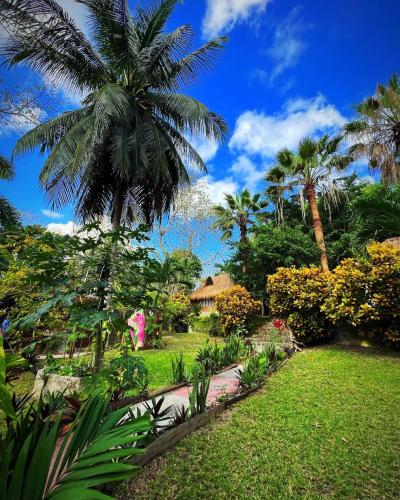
8 215
306 171
376 131
238 213
124 152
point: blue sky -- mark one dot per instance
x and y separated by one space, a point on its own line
289 69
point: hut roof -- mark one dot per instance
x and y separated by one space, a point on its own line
393 241
211 286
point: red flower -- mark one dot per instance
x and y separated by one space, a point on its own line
279 324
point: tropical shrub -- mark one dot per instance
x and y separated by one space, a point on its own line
176 311
235 306
297 295
206 323
365 293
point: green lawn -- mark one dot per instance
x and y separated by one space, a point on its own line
326 425
158 361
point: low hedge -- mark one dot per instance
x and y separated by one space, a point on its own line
363 293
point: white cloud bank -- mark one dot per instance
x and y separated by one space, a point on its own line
222 15
259 133
69 228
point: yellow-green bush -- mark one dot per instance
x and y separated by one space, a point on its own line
297 295
366 293
363 293
236 306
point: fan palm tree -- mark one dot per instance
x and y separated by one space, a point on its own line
377 214
8 214
376 131
239 212
310 170
124 151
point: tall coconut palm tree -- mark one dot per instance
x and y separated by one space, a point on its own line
8 215
376 130
124 151
240 212
308 171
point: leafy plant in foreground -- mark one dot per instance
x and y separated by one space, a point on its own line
90 454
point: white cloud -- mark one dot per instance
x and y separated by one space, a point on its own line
51 214
216 189
246 172
287 46
258 133
223 15
69 228
207 149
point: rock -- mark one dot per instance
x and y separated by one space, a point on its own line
55 383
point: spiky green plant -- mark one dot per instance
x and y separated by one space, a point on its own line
376 130
43 465
124 152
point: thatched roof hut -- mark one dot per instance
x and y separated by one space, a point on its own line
393 241
209 288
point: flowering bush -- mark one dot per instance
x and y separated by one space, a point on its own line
235 307
366 293
363 293
297 295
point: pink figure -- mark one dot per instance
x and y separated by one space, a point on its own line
137 323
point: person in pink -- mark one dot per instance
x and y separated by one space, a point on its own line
137 323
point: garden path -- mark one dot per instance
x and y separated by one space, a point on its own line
226 382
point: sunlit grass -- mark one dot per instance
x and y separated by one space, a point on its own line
327 424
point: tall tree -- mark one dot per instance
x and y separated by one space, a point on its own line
241 212
8 214
310 170
376 130
123 152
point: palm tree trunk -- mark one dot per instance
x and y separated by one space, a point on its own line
243 241
106 275
318 230
118 203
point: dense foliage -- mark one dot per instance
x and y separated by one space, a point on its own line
297 295
361 293
365 293
235 307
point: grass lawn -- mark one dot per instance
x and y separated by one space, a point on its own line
326 425
158 361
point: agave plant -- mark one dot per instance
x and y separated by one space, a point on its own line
91 453
124 151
